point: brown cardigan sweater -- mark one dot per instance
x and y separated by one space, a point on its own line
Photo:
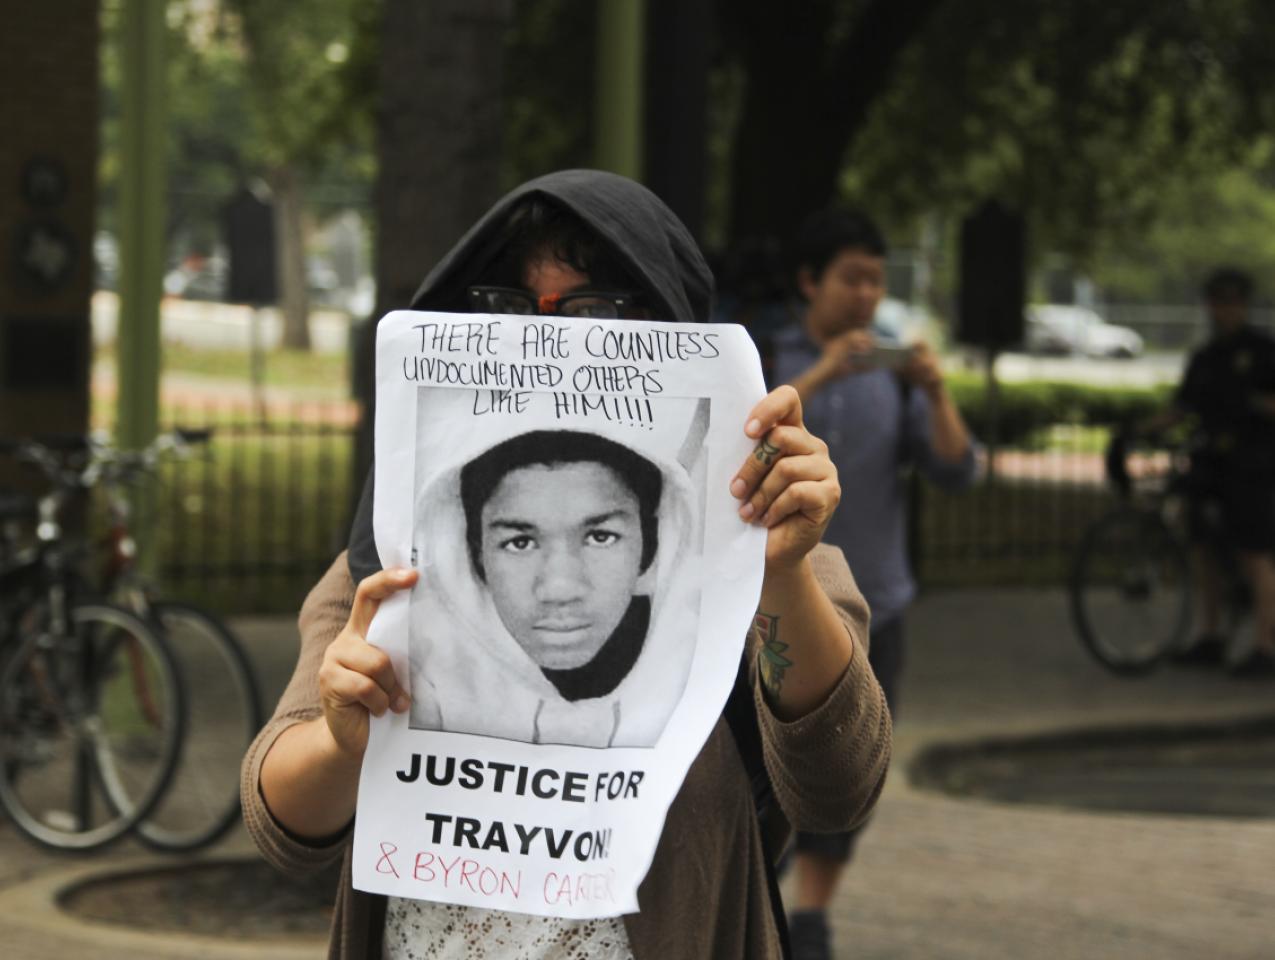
705 895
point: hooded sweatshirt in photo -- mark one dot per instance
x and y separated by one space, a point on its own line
469 673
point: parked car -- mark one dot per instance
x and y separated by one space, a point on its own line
1063 330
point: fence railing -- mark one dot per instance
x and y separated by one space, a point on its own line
248 523
1018 526
252 520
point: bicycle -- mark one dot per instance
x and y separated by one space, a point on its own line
91 714
1131 590
223 705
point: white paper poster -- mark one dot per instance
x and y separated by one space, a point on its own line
586 584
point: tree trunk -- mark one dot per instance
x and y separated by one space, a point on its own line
804 102
294 299
678 55
438 141
439 133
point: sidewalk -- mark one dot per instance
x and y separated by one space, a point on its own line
940 877
935 876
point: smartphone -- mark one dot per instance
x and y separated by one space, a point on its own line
886 356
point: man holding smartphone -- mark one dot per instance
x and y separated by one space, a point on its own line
882 407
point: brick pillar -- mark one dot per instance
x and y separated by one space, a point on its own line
48 159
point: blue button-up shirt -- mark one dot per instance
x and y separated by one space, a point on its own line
871 438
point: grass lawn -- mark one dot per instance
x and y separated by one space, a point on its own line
296 369
274 508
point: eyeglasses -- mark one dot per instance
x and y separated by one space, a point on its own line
584 304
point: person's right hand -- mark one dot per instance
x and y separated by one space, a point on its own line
845 352
357 678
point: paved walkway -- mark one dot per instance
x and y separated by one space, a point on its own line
939 877
936 877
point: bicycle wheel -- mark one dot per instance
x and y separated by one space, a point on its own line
92 722
1131 591
223 714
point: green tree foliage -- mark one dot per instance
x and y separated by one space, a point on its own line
1111 123
1226 218
207 125
297 91
1083 114
256 90
297 104
209 131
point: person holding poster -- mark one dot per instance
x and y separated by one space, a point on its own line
540 537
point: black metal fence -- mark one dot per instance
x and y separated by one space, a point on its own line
1019 525
250 522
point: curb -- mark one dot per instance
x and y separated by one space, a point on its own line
934 766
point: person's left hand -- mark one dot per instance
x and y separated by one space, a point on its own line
789 484
923 369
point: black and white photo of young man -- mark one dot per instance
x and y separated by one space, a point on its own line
561 527
557 602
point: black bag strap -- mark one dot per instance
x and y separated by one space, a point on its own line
911 480
741 717
905 425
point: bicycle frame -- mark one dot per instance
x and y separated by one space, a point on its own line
43 581
1137 573
49 571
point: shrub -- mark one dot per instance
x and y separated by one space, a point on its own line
1023 408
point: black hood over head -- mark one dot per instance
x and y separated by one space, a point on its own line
645 236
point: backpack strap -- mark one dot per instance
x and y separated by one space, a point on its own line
905 424
911 480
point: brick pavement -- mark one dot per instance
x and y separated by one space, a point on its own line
935 877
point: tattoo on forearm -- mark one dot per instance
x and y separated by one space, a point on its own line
766 452
771 657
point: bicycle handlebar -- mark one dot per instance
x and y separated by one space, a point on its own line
1171 454
1115 462
191 437
104 463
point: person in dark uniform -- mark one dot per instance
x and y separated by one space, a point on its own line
1229 387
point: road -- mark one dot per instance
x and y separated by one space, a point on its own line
1149 370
